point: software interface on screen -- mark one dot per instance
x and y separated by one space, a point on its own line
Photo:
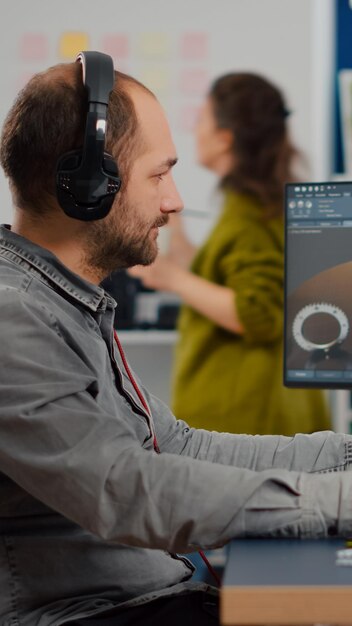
318 285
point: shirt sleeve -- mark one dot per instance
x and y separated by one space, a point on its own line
84 460
324 451
254 270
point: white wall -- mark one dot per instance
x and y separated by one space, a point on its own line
272 37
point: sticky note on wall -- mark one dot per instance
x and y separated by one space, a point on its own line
154 45
116 45
194 46
33 47
71 43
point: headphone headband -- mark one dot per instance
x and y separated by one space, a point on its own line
98 75
87 179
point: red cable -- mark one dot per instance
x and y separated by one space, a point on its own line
135 386
210 568
155 443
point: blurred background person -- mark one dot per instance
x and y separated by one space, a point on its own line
227 373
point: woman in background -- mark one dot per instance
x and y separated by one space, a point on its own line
228 367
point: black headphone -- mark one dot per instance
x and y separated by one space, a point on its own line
87 179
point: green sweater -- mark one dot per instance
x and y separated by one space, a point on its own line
228 382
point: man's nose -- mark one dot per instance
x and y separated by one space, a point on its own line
172 202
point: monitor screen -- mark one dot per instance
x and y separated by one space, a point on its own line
318 285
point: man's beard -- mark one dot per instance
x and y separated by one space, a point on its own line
121 240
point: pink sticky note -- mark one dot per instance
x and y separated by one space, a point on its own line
33 47
187 118
194 81
116 45
194 46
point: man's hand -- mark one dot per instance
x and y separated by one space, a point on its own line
211 300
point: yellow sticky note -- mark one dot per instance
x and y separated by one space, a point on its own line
156 45
72 43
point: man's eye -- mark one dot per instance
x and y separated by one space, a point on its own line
160 176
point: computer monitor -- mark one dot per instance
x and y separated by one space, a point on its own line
318 285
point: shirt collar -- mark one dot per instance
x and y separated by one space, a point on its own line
50 267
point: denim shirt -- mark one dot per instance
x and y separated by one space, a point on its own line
91 516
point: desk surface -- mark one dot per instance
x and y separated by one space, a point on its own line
286 581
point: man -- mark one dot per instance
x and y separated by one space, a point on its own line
100 485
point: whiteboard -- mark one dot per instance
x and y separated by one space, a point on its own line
176 49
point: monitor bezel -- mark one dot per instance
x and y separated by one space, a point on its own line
309 383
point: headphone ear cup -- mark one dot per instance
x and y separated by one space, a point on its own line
75 187
65 182
69 161
110 166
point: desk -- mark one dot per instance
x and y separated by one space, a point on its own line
285 581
